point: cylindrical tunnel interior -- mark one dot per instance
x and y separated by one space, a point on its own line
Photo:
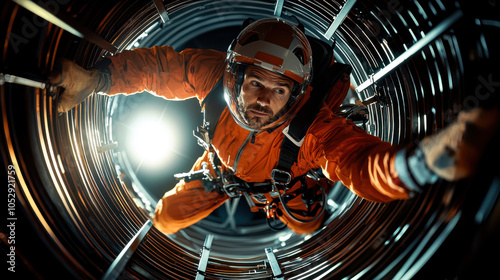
83 199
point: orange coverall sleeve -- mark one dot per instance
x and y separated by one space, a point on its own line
362 162
164 72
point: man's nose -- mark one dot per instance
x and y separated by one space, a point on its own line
264 97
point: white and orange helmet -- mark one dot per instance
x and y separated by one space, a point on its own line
275 45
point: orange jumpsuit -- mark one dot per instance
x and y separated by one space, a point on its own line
344 152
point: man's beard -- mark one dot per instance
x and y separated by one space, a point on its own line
257 122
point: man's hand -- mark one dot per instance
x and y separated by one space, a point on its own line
77 82
455 152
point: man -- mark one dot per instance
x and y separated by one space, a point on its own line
267 74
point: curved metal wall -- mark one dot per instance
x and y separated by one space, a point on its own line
76 212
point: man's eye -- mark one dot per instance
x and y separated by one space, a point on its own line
280 91
255 84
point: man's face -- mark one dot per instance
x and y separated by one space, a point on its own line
263 96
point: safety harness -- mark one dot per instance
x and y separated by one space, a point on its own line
267 195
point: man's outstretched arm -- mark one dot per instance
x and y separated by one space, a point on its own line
159 70
379 171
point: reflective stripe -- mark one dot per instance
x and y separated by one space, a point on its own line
240 151
271 59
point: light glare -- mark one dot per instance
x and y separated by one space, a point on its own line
152 142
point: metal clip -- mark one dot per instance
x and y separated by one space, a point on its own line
201 135
313 174
229 186
231 189
202 174
280 176
273 263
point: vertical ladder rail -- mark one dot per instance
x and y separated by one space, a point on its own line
278 8
67 23
344 11
202 266
275 266
160 7
116 268
419 45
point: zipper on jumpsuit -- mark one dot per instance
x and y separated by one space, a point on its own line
240 151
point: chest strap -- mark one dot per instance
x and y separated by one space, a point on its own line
212 107
296 131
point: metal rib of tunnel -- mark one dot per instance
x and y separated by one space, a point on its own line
84 205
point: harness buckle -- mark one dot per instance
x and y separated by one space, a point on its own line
231 190
230 186
281 177
297 143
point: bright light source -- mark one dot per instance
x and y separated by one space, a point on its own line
332 203
285 237
152 141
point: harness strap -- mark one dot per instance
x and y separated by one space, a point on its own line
212 107
295 132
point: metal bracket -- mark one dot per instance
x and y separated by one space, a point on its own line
415 48
278 8
273 262
205 252
7 78
202 174
341 16
67 23
107 147
116 268
162 12
201 134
